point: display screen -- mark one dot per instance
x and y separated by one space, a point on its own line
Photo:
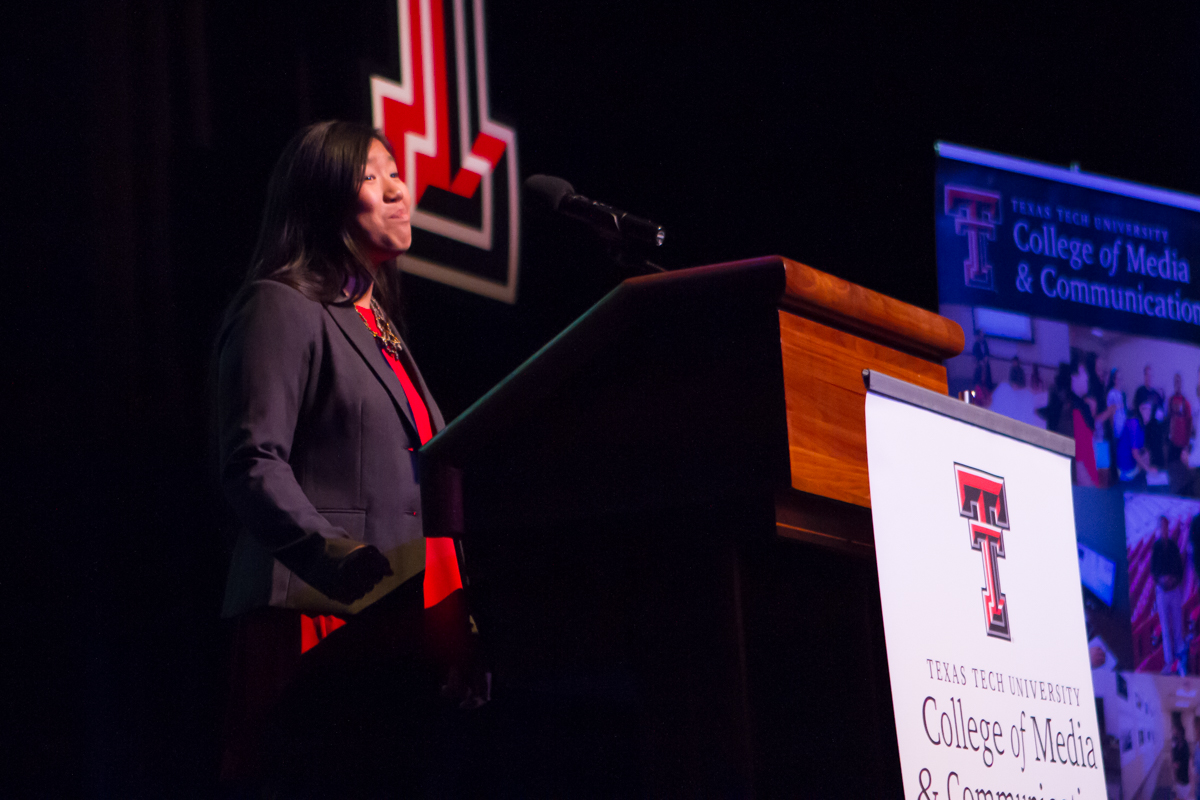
1097 573
1004 324
1077 298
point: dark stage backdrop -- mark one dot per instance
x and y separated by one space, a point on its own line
138 139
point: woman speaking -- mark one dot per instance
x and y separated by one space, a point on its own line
320 411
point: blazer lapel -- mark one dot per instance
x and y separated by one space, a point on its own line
360 336
414 374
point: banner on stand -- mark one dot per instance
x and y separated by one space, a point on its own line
979 580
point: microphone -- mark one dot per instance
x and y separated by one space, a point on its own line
558 196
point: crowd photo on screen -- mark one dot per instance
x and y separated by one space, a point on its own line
1132 406
1131 403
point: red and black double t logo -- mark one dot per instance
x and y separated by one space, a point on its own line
458 162
982 500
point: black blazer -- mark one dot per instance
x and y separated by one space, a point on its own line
317 450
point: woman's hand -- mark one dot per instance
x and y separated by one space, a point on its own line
339 567
358 573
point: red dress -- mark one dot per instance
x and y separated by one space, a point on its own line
1085 451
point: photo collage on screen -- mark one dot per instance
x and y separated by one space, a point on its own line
1075 295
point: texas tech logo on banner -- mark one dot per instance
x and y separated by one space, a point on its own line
982 500
459 164
976 214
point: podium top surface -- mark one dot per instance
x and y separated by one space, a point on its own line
794 286
825 298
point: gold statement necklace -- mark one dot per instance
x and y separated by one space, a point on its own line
387 335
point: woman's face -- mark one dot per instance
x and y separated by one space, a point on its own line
382 216
1079 381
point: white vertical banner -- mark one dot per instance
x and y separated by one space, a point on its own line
982 610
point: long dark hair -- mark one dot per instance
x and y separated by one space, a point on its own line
1095 384
306 240
1067 397
1016 375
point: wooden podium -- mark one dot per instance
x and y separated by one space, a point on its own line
666 520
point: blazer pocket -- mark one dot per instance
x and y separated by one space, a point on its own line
352 521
